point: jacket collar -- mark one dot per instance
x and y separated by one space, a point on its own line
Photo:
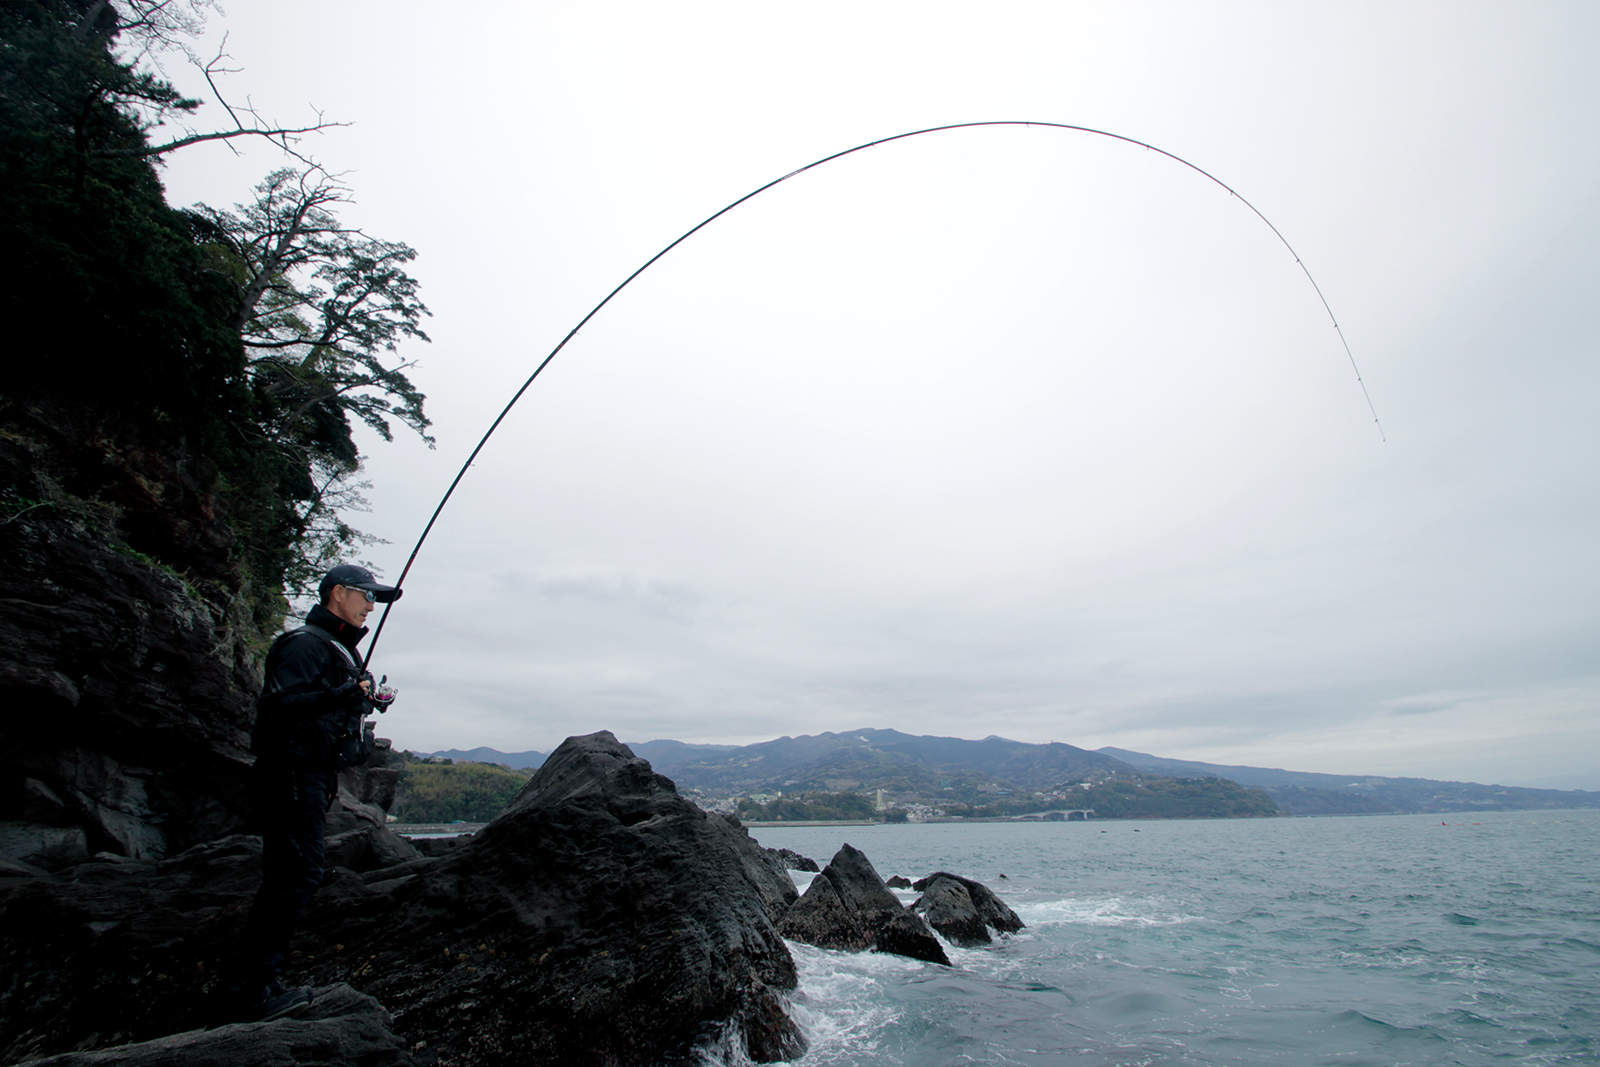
347 635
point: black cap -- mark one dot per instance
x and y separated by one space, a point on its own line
348 574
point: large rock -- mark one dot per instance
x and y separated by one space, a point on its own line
847 906
111 952
341 1027
601 918
358 820
793 861
963 910
127 687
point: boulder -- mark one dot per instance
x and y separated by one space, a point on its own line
793 861
341 1027
601 918
41 845
898 881
948 907
847 906
358 821
963 910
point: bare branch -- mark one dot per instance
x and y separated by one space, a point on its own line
184 142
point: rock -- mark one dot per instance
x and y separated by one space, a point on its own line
128 688
41 845
106 953
341 1027
358 822
438 846
898 881
18 869
820 917
601 918
962 909
948 908
847 906
793 861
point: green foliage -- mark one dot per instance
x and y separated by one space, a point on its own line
318 306
807 806
239 346
446 792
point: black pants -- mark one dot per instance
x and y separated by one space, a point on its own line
290 808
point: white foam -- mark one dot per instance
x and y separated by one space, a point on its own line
841 1005
1102 911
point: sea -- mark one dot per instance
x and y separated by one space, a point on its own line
1384 941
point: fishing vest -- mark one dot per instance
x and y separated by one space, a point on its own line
340 738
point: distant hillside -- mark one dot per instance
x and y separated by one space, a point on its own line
866 760
663 755
519 760
1310 793
998 776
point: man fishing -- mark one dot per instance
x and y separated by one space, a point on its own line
309 725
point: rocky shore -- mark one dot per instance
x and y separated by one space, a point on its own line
601 919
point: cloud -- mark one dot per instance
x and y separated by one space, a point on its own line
998 431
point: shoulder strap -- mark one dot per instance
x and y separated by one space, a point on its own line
338 645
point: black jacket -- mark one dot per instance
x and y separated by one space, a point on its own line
312 701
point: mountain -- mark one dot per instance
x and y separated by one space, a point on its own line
1312 793
860 760
866 760
953 772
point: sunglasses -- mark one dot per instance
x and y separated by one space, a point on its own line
372 598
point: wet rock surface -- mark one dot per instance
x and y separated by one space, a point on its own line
341 1027
848 906
601 918
963 910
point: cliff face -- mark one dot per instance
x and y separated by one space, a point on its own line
126 689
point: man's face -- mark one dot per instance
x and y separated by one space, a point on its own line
351 605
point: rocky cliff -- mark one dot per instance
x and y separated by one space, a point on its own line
126 687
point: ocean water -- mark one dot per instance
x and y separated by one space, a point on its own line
1379 941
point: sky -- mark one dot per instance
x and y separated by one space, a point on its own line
1011 430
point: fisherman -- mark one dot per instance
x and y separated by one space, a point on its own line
309 725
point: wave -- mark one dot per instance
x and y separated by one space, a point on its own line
1103 911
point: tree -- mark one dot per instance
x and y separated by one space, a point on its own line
89 67
237 346
320 308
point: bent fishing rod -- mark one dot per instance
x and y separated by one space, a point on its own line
371 648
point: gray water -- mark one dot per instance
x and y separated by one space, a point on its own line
1352 941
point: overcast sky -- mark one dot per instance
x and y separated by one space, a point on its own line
997 431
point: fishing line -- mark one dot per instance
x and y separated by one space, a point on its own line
811 166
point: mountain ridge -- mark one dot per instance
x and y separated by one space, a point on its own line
1317 793
935 769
